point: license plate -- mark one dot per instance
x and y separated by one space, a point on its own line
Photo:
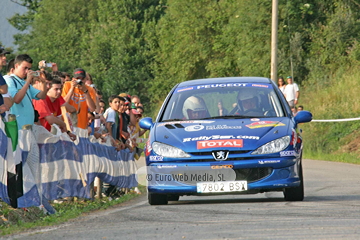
219 187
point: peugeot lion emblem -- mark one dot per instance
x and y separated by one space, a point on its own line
220 155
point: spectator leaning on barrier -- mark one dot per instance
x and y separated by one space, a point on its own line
300 108
291 92
60 75
50 108
22 92
113 123
80 96
3 53
67 76
89 83
135 132
8 101
91 118
3 86
140 109
135 100
46 118
3 106
99 119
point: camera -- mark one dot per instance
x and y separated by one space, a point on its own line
44 64
35 74
78 81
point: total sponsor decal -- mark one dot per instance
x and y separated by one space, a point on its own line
268 161
219 143
265 124
185 122
156 158
288 153
216 137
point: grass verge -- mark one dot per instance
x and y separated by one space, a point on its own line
17 220
340 157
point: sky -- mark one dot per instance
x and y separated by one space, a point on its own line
7 10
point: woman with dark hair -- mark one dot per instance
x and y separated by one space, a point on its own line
281 84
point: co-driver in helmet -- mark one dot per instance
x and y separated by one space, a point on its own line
195 108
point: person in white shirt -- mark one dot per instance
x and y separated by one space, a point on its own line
291 92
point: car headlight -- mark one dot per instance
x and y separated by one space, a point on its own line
168 151
273 146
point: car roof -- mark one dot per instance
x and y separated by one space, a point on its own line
225 80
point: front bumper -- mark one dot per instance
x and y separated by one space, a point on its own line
261 175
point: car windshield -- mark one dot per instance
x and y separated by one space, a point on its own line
230 100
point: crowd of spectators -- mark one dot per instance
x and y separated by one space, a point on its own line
58 101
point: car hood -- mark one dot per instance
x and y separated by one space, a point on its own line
234 134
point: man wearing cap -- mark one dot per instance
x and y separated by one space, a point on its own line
291 92
81 96
3 85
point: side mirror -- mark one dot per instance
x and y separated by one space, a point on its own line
146 123
303 117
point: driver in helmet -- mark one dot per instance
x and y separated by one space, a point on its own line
248 103
194 108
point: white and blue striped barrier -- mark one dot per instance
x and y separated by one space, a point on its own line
55 167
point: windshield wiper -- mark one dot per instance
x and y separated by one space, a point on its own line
229 116
172 120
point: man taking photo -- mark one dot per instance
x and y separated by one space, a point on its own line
20 89
81 96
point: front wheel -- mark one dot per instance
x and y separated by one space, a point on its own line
157 199
173 197
296 193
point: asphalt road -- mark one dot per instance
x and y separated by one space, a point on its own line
331 210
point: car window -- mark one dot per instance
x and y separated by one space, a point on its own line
223 100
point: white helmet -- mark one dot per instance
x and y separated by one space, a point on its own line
247 94
194 108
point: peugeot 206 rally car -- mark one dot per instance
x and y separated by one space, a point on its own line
231 135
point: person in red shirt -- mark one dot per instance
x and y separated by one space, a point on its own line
50 108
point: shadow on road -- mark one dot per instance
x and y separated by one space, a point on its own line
222 201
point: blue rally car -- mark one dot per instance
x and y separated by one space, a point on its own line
234 135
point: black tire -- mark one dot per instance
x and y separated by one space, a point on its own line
173 197
157 199
296 193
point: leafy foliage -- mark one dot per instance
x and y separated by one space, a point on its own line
145 47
